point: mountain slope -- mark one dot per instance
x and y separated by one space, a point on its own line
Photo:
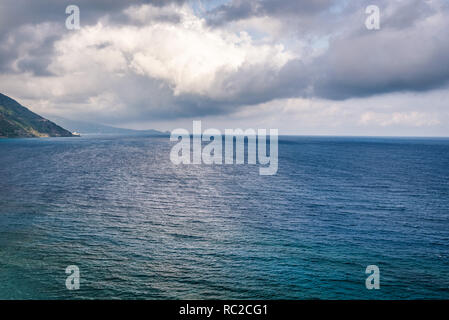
16 121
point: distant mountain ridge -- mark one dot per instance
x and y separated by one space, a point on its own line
85 127
16 121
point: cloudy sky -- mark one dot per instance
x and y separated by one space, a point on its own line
302 66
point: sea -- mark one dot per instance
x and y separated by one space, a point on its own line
138 226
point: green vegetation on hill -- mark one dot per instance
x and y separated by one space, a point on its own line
16 121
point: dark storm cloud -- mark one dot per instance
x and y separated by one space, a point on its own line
365 66
405 55
408 53
248 86
241 9
405 14
16 15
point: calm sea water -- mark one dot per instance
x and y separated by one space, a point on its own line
138 226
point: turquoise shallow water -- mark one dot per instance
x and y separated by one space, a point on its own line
138 226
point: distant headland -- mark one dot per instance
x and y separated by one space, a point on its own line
16 121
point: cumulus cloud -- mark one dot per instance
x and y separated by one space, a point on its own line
141 60
188 67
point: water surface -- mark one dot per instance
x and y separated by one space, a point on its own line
140 227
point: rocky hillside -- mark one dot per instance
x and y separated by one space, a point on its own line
16 121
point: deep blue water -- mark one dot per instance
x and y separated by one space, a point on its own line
138 226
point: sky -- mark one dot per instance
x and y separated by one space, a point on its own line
308 67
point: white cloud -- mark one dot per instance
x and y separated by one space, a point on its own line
188 55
